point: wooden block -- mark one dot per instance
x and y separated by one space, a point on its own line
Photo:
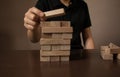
113 46
64 58
67 35
45 24
65 47
108 51
50 24
61 47
106 56
56 30
45 47
102 48
46 35
44 59
115 51
44 41
56 47
54 13
57 35
105 53
55 24
54 58
65 23
55 53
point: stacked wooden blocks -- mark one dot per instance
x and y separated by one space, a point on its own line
55 40
107 52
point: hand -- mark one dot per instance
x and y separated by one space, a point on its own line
32 18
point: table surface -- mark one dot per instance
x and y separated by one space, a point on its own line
26 63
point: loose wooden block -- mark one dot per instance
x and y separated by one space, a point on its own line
57 35
102 48
54 13
56 30
50 24
113 46
67 35
105 53
44 59
54 53
44 41
108 51
45 47
115 51
54 58
65 23
64 58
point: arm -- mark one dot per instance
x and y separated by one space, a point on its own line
88 39
32 21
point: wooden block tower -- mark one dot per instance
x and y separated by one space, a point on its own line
55 41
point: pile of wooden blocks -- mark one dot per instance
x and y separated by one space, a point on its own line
107 52
55 41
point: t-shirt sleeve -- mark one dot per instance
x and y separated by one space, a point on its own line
40 5
87 21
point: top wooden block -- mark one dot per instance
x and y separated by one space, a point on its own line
54 13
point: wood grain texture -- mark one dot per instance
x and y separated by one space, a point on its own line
44 59
105 53
54 58
54 13
56 30
65 24
64 58
45 47
67 35
50 23
54 53
44 41
57 36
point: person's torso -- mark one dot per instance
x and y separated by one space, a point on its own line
75 13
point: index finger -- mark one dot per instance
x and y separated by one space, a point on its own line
36 11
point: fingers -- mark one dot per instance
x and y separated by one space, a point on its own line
35 14
30 22
32 18
27 26
36 11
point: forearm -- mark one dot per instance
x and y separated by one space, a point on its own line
34 35
88 39
89 44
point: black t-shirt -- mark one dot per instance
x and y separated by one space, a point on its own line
77 12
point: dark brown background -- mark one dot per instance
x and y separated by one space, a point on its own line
105 17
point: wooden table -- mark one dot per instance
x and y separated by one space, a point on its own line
26 63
